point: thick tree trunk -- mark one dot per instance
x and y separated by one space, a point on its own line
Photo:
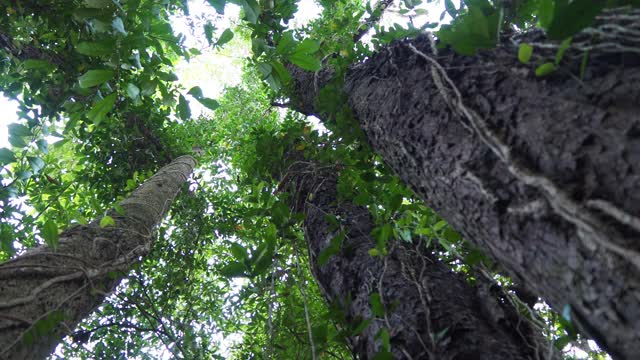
541 173
430 312
46 292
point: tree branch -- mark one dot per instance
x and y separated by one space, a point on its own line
372 20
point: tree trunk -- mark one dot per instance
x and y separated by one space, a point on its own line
428 311
543 174
46 292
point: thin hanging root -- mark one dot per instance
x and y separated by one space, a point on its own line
616 213
589 228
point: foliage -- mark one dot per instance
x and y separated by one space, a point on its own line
101 108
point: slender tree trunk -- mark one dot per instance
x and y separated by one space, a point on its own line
429 311
543 174
46 292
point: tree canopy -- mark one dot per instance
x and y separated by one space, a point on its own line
101 88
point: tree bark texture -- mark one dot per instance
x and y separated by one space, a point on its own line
543 174
45 292
430 311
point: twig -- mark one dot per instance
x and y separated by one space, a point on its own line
306 306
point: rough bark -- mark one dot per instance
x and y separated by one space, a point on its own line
430 311
46 292
543 174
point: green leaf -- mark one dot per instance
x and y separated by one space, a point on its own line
107 221
561 342
376 304
234 269
239 252
474 257
545 13
211 104
36 163
571 18
218 5
133 91
562 49
226 36
282 72
545 69
208 32
100 109
6 156
18 130
44 326
33 64
95 77
258 46
440 334
196 92
17 141
119 209
118 25
308 46
7 239
451 235
184 112
251 9
304 61
583 64
98 4
477 22
23 174
524 53
168 76
383 355
384 337
265 69
263 259
43 145
319 333
286 44
396 202
451 9
49 232
361 326
382 234
96 48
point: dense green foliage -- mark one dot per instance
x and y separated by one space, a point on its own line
101 108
